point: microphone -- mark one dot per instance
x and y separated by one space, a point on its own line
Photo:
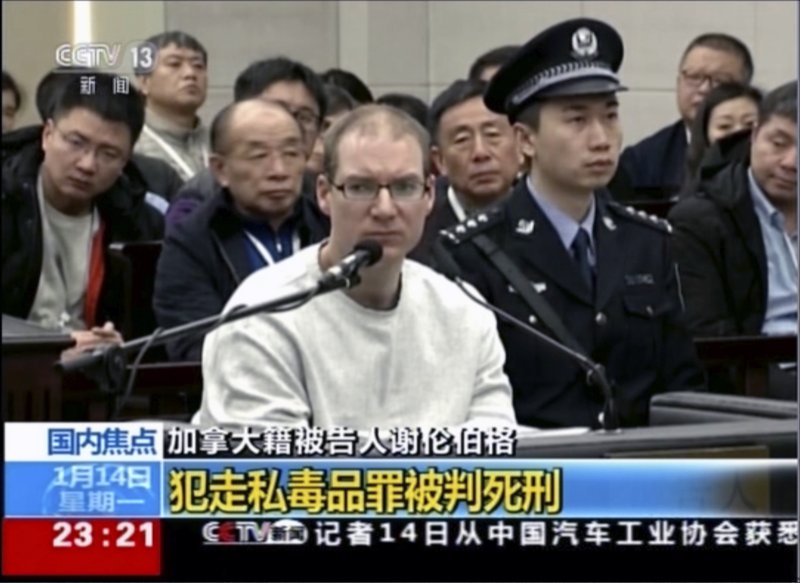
345 273
595 372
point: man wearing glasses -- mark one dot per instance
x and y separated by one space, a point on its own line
281 80
64 201
654 167
403 348
257 218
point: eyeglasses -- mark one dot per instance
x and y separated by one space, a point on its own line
697 79
306 117
408 189
80 146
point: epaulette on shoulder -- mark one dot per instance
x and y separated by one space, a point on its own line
471 226
641 217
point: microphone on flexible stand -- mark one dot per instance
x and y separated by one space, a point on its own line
595 372
345 272
106 365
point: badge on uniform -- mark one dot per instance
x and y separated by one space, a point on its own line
584 44
539 287
525 227
640 279
609 223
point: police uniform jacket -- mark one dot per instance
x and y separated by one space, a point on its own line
633 326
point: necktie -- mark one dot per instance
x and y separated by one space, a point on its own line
580 251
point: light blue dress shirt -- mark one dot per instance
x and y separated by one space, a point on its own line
565 225
781 251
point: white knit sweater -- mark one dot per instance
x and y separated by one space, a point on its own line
435 360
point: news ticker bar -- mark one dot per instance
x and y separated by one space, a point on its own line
401 488
157 441
755 549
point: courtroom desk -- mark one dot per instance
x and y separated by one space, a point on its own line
169 391
31 384
750 355
686 408
757 439
172 390
778 437
35 390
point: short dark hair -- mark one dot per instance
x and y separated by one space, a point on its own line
10 85
699 143
412 105
350 82
496 57
726 43
172 37
218 133
52 83
257 77
373 116
126 108
339 100
530 115
781 101
459 91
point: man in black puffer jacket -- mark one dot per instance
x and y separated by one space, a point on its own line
735 238
66 195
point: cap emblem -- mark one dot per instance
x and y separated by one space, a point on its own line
584 44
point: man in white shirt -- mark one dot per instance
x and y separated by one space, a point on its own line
403 348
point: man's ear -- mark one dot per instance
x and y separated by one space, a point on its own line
438 162
216 164
143 84
48 130
526 140
324 194
430 199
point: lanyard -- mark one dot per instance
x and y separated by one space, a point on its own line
264 252
170 151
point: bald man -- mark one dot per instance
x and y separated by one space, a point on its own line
255 219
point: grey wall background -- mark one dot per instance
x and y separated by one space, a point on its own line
417 47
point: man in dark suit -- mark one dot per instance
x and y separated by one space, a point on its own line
654 167
476 154
603 269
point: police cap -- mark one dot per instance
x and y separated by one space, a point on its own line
575 57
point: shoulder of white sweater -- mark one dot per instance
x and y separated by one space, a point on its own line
444 292
287 276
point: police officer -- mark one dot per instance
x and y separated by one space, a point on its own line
603 270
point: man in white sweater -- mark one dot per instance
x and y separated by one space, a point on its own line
404 348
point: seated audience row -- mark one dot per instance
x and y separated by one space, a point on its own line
519 190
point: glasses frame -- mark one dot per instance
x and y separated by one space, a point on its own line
88 146
342 186
696 80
